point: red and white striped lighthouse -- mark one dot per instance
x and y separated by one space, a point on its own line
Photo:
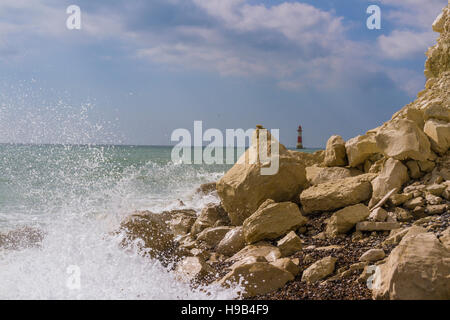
300 138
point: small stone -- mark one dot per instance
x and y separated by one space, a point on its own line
329 248
403 215
208 218
433 200
263 249
399 199
345 219
436 189
232 242
290 244
192 268
418 212
257 278
379 215
392 217
372 255
212 236
416 202
376 226
319 270
437 209
356 236
182 222
308 259
417 193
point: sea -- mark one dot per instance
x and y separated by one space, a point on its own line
76 195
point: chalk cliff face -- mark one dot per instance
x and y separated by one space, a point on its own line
431 110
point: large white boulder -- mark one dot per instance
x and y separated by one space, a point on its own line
244 188
402 139
337 194
335 154
360 148
417 269
272 220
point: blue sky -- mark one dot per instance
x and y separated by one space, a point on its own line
139 69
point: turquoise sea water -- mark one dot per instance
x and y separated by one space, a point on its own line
77 195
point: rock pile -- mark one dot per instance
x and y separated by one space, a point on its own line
379 201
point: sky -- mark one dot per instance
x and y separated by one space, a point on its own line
139 69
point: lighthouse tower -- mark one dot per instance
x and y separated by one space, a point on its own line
300 138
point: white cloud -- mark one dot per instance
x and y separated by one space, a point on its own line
298 22
402 44
246 40
413 19
296 44
418 14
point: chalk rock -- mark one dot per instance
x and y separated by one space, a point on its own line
182 222
335 154
317 175
257 278
290 244
337 194
360 148
372 255
376 226
193 268
393 176
212 236
209 217
379 215
439 133
437 209
402 139
436 189
433 200
417 269
260 249
319 270
345 219
413 203
155 237
248 183
399 199
272 220
232 242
